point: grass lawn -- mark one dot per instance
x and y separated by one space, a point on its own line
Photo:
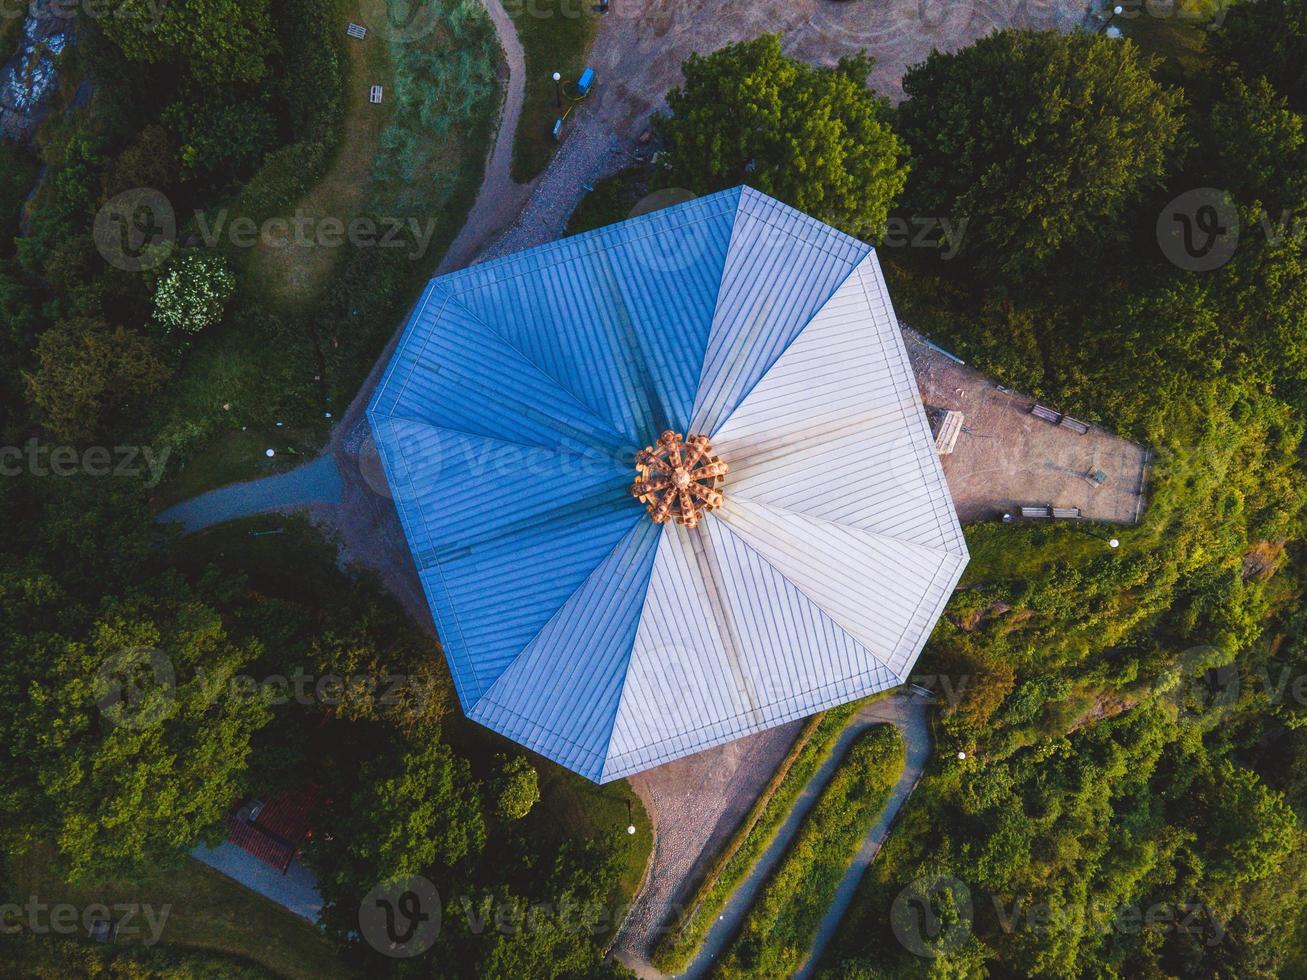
293 278
207 911
556 36
677 947
579 808
781 926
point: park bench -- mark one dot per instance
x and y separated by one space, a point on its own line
1036 512
1066 513
357 31
1075 425
375 96
1047 414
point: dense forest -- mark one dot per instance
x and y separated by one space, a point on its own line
1129 233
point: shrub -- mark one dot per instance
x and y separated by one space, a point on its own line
779 931
193 294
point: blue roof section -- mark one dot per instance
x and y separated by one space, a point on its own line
560 697
452 359
507 423
617 317
501 533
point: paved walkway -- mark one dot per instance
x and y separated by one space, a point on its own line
314 483
500 199
296 890
907 712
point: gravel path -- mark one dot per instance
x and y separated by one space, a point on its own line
500 198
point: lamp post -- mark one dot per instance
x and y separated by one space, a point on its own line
1117 11
558 88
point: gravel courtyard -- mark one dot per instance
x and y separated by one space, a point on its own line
1007 458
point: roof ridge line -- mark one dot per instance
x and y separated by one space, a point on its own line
744 396
826 613
485 695
884 536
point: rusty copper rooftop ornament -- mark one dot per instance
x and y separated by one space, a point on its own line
679 478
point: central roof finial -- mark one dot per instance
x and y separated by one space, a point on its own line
679 478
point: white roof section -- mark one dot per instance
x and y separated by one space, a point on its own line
821 577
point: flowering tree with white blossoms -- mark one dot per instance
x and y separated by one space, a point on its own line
193 294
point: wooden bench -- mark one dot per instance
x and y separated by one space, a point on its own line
1036 512
1047 414
375 95
1075 425
1066 513
357 31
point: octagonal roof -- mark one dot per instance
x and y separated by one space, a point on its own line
508 422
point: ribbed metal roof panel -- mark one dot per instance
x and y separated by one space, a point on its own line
501 535
507 423
781 269
836 428
560 695
727 646
619 317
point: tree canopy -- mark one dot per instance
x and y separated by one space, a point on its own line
1038 141
814 138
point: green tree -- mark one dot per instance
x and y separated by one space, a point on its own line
193 293
1267 38
1256 146
400 815
1250 828
121 744
814 138
516 787
216 41
88 375
1037 140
